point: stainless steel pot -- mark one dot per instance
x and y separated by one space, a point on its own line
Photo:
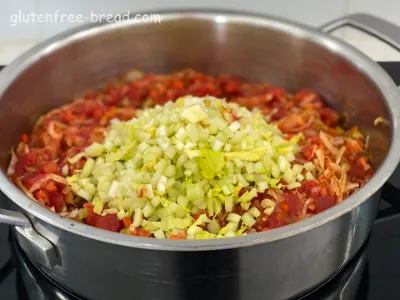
277 264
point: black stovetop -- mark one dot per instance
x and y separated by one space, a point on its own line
377 266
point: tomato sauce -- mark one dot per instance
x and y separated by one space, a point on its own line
64 132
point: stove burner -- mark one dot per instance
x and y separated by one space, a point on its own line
32 284
351 283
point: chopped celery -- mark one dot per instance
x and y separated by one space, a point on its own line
82 213
87 168
182 200
213 226
202 219
232 217
283 163
248 219
138 217
194 229
262 185
194 114
76 158
194 191
288 176
159 234
299 178
293 185
241 231
309 166
85 195
94 150
309 176
185 158
230 234
121 214
210 206
297 169
210 163
267 203
247 196
98 206
232 226
148 210
229 204
234 126
254 212
75 188
268 211
252 155
112 192
161 185
90 188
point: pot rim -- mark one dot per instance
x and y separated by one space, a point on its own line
367 66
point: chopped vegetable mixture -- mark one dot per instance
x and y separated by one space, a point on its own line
190 156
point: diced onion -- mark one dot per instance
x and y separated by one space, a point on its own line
13 162
65 170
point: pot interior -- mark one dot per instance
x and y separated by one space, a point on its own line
253 48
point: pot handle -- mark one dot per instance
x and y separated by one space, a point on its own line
38 249
381 29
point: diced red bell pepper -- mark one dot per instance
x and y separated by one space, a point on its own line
108 222
277 219
324 202
57 200
293 201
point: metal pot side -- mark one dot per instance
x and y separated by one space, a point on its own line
278 264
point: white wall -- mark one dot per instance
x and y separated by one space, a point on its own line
14 39
313 12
